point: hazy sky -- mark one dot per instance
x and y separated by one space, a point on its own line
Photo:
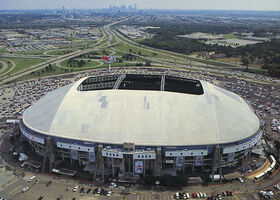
145 4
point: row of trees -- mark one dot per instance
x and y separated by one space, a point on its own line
75 63
267 53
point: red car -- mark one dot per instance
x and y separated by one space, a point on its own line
229 193
194 195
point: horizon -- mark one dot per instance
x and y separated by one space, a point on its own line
150 9
237 5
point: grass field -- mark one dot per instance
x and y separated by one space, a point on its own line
24 63
36 53
237 61
3 50
60 52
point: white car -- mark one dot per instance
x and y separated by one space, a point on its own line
24 189
241 180
109 193
113 184
177 195
31 178
23 164
75 188
204 195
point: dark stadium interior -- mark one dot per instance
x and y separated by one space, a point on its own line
99 83
181 85
143 82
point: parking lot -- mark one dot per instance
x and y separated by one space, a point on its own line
56 188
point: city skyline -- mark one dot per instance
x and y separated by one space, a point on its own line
269 5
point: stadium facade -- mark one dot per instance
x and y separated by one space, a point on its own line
129 125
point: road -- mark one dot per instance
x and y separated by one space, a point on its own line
11 69
176 59
58 59
4 66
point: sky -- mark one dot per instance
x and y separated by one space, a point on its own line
145 4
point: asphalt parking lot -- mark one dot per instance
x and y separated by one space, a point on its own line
14 191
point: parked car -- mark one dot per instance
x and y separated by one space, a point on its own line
241 180
75 188
176 196
229 193
31 178
48 183
194 195
24 189
109 193
277 187
94 191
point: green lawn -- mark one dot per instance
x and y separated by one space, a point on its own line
36 53
60 52
24 63
3 50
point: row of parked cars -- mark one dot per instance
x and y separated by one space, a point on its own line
186 195
100 191
268 193
200 195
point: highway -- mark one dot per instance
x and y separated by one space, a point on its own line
167 59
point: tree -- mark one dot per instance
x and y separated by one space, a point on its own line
245 62
148 63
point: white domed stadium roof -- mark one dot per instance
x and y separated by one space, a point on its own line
143 117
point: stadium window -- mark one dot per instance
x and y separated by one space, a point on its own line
110 154
142 156
149 156
69 146
79 147
201 152
61 145
191 153
106 154
138 156
146 156
113 154
117 155
181 154
170 154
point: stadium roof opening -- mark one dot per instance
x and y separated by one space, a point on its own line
143 82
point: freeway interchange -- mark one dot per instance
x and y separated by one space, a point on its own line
163 59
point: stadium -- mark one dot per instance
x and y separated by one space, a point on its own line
131 125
